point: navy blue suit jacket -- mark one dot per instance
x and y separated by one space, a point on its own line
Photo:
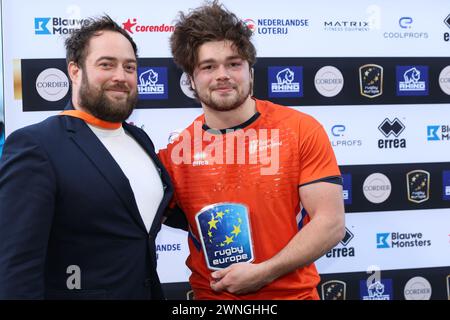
65 202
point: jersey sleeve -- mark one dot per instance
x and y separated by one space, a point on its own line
317 159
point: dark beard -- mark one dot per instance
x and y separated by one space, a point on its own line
101 107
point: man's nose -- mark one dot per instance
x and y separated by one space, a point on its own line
222 73
119 74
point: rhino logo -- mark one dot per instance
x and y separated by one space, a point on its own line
148 78
412 80
412 75
285 81
285 76
376 290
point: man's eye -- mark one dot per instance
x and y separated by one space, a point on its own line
130 68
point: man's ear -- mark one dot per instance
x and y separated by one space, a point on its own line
191 80
74 72
252 73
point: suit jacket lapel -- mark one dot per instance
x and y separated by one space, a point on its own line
92 147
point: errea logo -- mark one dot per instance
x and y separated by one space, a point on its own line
343 251
391 128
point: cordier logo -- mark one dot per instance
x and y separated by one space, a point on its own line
132 26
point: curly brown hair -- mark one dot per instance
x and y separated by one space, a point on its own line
210 22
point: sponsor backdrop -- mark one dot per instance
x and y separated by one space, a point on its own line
2 117
375 74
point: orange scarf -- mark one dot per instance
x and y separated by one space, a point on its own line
91 119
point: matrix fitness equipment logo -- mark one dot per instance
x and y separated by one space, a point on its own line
225 234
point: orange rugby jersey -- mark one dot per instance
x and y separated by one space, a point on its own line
259 168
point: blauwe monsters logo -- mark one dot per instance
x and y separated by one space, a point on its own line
225 234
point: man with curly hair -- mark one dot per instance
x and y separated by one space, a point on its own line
255 226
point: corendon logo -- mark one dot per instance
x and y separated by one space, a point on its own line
132 26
